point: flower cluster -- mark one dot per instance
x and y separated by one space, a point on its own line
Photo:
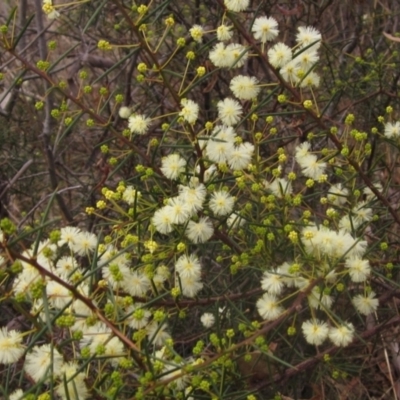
296 65
212 209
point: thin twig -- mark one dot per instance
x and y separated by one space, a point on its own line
16 177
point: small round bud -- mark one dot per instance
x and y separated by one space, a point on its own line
103 91
52 45
142 9
55 113
282 98
104 45
39 105
169 21
142 67
201 71
181 42
190 55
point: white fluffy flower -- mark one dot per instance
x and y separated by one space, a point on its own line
392 129
124 112
224 33
58 295
233 55
157 333
235 221
244 87
114 350
369 194
172 166
307 59
130 195
316 299
218 151
359 269
41 361
265 29
193 197
268 307
174 375
311 80
85 243
272 282
209 172
342 335
219 56
136 284
197 32
237 55
220 145
138 316
138 124
74 386
347 224
66 266
208 320
337 194
95 336
308 35
201 231
236 5
17 395
179 210
312 167
190 111
111 254
68 235
302 150
315 331
229 111
366 304
279 55
362 213
223 133
162 220
280 187
188 267
11 347
240 156
190 286
221 203
290 71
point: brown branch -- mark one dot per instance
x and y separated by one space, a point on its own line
207 301
76 294
295 307
313 361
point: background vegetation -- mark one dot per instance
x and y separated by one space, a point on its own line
121 317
